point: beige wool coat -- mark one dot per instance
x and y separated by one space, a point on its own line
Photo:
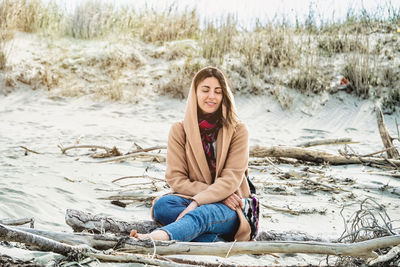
188 173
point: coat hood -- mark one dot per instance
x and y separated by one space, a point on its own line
191 127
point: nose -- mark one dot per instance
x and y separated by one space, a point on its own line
211 94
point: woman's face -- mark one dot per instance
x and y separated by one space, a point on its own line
209 95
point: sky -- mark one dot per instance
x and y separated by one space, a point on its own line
247 12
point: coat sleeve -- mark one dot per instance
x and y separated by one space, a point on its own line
176 174
232 174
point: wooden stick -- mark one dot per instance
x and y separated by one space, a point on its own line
292 212
337 141
374 153
395 175
129 196
28 150
394 252
125 257
65 149
138 176
385 136
133 155
21 221
147 149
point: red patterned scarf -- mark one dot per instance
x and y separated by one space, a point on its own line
209 125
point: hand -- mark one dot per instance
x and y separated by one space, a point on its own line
193 205
233 201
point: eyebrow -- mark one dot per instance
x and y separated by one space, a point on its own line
218 87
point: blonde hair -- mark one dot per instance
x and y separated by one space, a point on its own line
230 118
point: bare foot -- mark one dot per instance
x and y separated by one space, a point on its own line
156 235
135 234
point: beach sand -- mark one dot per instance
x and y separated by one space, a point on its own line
44 185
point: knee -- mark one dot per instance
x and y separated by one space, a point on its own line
165 202
167 208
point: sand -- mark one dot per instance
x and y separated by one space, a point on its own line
44 185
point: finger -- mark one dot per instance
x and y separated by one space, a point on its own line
241 204
232 205
236 201
237 198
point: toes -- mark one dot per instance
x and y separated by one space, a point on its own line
134 233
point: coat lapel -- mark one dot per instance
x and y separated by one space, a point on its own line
196 146
223 141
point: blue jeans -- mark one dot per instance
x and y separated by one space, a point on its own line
207 223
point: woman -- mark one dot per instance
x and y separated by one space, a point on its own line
207 160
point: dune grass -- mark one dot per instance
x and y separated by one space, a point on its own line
304 57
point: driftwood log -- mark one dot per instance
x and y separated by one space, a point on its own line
12 234
58 243
387 140
316 156
363 249
80 221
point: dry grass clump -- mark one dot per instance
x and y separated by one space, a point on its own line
341 43
360 70
153 26
90 19
267 48
307 81
384 19
216 39
113 90
391 101
8 14
32 15
180 49
181 76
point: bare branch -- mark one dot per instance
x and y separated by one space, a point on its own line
338 141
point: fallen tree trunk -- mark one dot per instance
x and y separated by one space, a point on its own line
54 242
80 221
316 156
361 249
12 234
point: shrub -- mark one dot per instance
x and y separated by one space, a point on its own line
308 81
152 26
217 39
265 49
178 86
360 73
